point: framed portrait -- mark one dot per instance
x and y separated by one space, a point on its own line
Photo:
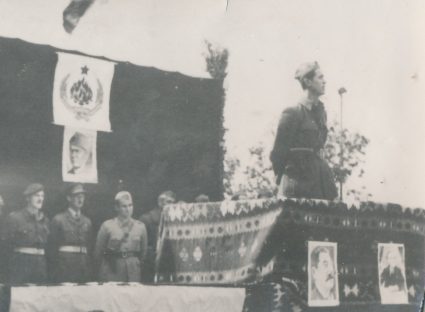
322 274
79 163
392 274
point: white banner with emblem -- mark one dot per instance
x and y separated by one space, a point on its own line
81 92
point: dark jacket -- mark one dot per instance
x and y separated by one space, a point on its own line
303 173
151 220
22 229
394 278
66 230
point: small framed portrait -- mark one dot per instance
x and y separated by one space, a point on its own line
392 274
79 156
322 274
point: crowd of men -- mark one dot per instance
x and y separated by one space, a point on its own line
36 250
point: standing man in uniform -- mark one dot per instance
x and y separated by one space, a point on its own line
301 135
121 244
151 219
25 233
70 241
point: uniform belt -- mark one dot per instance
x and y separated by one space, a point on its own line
30 251
73 249
302 149
123 254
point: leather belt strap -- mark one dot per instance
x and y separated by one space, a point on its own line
30 251
302 149
123 254
73 249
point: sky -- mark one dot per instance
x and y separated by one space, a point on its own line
374 49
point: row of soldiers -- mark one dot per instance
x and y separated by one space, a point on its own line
63 250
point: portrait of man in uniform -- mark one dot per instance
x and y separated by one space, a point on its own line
79 156
322 274
392 277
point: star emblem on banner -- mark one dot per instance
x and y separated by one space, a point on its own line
84 70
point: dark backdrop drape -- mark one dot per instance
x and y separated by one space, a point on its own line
167 133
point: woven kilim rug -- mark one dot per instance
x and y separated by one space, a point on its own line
216 243
268 246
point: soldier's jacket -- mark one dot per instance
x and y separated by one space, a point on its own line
67 230
302 173
120 250
151 220
22 229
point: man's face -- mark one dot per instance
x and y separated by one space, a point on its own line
324 274
317 84
392 259
36 200
78 156
164 200
124 208
76 201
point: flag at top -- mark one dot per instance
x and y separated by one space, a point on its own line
81 92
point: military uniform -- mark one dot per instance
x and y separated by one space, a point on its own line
70 242
295 157
121 249
26 236
151 219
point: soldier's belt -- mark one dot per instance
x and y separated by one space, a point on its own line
313 151
73 249
123 254
302 149
30 251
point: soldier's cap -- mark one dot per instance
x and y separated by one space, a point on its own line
81 140
168 194
76 188
202 198
123 195
305 69
33 188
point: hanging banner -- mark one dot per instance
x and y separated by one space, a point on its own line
81 92
79 163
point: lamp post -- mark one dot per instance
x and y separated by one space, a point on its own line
341 92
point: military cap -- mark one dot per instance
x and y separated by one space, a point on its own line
305 69
33 188
77 188
202 198
81 140
123 195
168 194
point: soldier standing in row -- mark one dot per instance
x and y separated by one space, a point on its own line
25 234
152 219
70 241
121 244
